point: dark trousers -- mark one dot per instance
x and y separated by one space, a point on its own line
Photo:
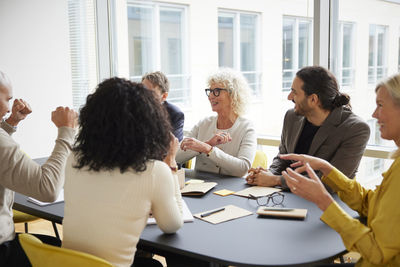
12 254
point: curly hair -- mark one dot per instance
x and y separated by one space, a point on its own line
122 125
320 81
236 83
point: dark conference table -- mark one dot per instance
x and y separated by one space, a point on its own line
247 241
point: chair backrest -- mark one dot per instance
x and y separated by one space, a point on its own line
260 160
43 255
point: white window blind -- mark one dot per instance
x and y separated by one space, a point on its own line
82 36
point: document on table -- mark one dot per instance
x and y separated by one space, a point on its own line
187 215
222 214
41 203
257 191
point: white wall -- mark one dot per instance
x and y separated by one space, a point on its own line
34 52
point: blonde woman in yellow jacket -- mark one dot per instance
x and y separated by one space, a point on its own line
378 242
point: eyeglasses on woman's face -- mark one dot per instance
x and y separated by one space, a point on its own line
276 198
215 91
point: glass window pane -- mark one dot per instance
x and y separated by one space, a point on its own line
247 42
225 41
304 43
140 36
296 48
171 41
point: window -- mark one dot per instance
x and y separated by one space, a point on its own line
296 48
343 64
238 45
156 40
82 32
398 67
377 62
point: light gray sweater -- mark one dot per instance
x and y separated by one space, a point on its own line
21 174
233 158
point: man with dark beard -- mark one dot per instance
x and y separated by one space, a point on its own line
321 125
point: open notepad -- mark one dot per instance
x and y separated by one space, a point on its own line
187 215
223 214
41 203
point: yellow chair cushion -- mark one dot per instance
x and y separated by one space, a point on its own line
21 217
260 160
43 255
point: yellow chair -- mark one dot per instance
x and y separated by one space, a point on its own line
260 160
21 217
43 255
188 164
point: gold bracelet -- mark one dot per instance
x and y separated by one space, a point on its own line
209 152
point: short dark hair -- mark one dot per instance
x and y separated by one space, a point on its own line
159 79
122 125
320 81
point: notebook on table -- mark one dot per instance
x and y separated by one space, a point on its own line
197 189
282 212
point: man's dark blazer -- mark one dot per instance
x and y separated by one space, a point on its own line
177 119
341 140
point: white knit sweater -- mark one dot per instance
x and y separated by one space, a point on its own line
233 158
105 212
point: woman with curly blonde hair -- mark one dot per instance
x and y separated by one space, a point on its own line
225 143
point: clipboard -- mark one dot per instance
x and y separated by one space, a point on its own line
228 213
282 212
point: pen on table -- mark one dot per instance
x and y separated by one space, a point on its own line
211 212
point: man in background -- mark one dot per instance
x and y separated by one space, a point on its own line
158 82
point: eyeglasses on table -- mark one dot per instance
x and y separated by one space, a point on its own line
275 198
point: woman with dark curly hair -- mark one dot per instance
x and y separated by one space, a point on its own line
119 172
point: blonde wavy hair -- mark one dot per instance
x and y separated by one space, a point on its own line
392 84
236 83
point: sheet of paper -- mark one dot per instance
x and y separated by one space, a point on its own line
230 212
257 191
197 188
194 181
41 203
187 215
294 213
224 192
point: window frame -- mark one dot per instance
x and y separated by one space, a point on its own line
372 80
237 45
157 8
295 47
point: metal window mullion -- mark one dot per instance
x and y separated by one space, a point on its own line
103 36
340 53
321 32
375 54
296 45
237 47
157 37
